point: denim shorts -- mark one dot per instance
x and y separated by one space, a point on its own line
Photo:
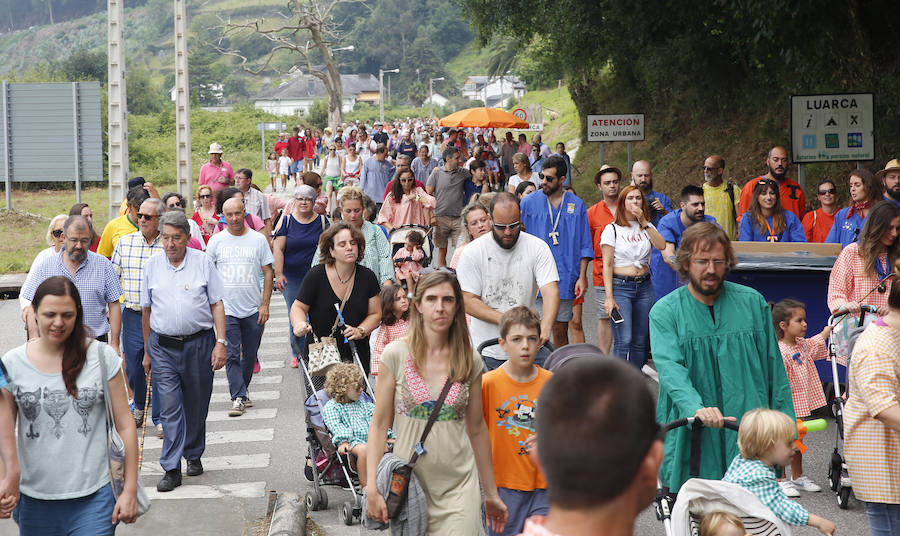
84 516
565 309
599 300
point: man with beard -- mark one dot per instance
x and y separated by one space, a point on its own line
559 218
94 277
502 270
890 177
721 198
715 350
599 216
790 191
671 227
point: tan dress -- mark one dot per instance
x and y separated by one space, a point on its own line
447 471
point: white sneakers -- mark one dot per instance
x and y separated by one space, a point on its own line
237 408
787 486
805 484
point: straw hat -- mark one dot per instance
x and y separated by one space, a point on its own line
890 166
215 148
606 167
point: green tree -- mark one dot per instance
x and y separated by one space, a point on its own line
83 64
144 97
318 114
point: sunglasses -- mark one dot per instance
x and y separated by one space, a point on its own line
57 232
146 216
830 191
205 196
511 226
546 177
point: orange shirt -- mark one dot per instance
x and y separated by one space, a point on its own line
598 217
817 224
510 409
790 191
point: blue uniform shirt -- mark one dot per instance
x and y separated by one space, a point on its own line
793 230
845 230
574 235
671 228
657 264
180 297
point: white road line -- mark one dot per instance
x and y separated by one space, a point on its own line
250 415
217 463
257 380
264 365
242 490
254 395
223 437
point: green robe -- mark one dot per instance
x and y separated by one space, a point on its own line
732 363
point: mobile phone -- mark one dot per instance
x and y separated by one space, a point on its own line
616 316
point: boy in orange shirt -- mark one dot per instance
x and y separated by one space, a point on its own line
510 399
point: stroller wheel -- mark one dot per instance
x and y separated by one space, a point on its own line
844 498
347 513
323 499
312 501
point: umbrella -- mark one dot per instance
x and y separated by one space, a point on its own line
483 117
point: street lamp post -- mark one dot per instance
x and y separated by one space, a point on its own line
381 90
348 47
431 82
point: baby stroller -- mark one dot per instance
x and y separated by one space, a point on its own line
398 240
846 330
328 467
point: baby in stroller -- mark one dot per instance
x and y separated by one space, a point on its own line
346 415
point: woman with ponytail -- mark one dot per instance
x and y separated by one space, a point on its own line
56 478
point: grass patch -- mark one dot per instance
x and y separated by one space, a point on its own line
471 61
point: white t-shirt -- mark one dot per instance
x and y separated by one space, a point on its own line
632 245
504 278
516 180
239 260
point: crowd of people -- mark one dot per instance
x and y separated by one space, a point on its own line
362 245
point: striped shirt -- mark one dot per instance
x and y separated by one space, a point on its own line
95 279
760 479
872 448
131 254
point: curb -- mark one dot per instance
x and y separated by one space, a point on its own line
288 516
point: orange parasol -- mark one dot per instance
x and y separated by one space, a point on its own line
483 117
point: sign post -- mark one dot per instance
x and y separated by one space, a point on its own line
262 128
621 127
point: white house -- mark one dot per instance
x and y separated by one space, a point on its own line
439 100
493 91
297 96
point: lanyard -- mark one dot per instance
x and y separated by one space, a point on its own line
553 232
772 236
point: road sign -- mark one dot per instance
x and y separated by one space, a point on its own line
832 128
623 127
270 126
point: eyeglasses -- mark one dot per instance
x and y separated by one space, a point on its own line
173 205
511 226
406 180
703 263
205 196
146 216
80 241
830 191
547 178
57 232
303 200
704 168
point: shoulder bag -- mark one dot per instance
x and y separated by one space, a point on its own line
116 446
396 498
324 352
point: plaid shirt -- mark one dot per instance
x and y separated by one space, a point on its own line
873 449
348 423
806 387
760 479
129 258
386 335
850 281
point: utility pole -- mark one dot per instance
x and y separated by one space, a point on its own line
183 171
381 90
117 121
431 82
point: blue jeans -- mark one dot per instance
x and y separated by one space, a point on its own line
84 516
884 519
630 337
291 288
133 348
243 336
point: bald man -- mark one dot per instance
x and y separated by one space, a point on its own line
660 205
790 191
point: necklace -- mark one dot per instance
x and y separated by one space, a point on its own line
338 274
553 232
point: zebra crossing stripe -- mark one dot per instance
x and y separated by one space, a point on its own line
251 415
264 365
257 380
254 395
217 463
240 490
223 437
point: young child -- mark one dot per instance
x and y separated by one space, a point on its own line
346 416
722 524
284 167
272 168
394 321
408 260
798 353
766 444
509 397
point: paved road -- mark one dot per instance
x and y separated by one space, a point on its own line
265 449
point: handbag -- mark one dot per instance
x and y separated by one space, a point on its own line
116 448
324 352
399 488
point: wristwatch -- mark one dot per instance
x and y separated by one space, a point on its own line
223 342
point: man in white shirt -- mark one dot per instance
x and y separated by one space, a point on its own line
503 270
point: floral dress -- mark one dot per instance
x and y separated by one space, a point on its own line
447 471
